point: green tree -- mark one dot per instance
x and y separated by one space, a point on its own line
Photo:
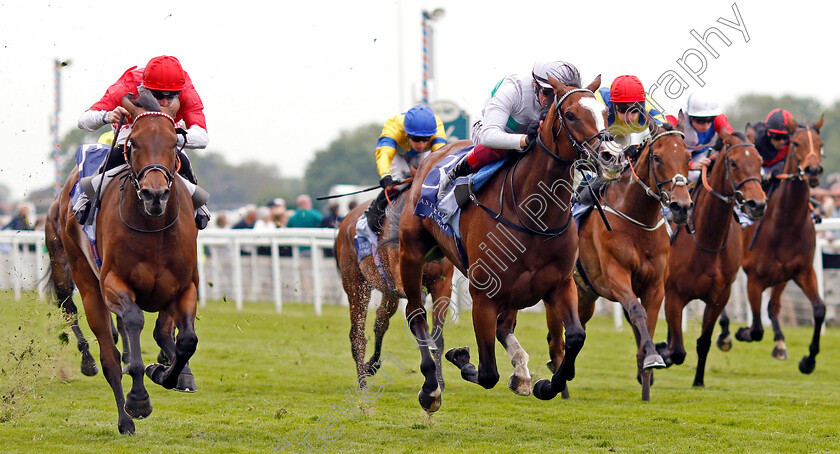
350 159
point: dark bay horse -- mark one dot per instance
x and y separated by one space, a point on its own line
146 239
521 253
627 264
360 278
781 246
707 260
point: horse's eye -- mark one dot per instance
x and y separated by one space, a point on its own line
656 158
733 165
569 116
795 144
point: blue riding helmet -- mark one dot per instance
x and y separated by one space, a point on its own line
420 121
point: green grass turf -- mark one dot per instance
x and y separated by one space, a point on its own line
266 379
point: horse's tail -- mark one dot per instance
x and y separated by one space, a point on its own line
393 213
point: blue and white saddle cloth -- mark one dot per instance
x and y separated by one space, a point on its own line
88 159
446 212
365 242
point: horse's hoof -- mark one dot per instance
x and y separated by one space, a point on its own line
520 386
565 393
460 357
138 409
550 365
155 373
653 362
699 384
780 351
430 402
724 343
807 365
89 367
126 426
543 391
186 383
743 334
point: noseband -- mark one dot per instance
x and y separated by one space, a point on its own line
676 181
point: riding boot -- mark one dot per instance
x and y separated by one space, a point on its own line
462 168
82 208
186 170
376 212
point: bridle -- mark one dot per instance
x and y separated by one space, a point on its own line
737 196
799 176
678 180
135 177
602 135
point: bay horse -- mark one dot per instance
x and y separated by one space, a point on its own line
360 278
146 240
512 264
708 258
628 263
781 246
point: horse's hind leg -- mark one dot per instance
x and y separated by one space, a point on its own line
164 335
520 380
439 286
724 340
358 295
61 281
673 350
773 307
561 306
807 281
389 306
755 332
182 313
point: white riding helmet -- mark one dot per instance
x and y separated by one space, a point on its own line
702 105
560 70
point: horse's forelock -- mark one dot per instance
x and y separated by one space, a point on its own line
147 101
740 135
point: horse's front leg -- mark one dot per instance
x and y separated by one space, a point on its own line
118 294
413 245
182 312
807 281
755 332
561 306
773 307
164 335
673 350
520 379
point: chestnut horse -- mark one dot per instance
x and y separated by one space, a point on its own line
781 246
627 263
360 278
709 257
146 239
517 256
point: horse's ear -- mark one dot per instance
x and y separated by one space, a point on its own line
791 125
749 131
595 84
818 125
680 121
559 87
130 107
724 134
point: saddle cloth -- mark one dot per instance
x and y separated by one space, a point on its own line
445 212
365 242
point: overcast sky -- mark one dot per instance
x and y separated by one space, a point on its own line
280 80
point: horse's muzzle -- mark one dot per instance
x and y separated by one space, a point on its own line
154 200
679 211
813 173
754 209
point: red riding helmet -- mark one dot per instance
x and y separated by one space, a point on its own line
164 73
627 89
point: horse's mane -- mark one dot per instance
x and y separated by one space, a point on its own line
393 213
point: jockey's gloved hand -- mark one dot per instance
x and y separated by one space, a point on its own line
531 135
386 181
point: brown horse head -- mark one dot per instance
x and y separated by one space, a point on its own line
743 169
663 166
807 147
584 120
151 151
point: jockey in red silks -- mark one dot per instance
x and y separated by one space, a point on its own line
164 77
511 117
772 140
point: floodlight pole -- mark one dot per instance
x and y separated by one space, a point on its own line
56 138
428 49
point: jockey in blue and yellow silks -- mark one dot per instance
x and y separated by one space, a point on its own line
406 140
